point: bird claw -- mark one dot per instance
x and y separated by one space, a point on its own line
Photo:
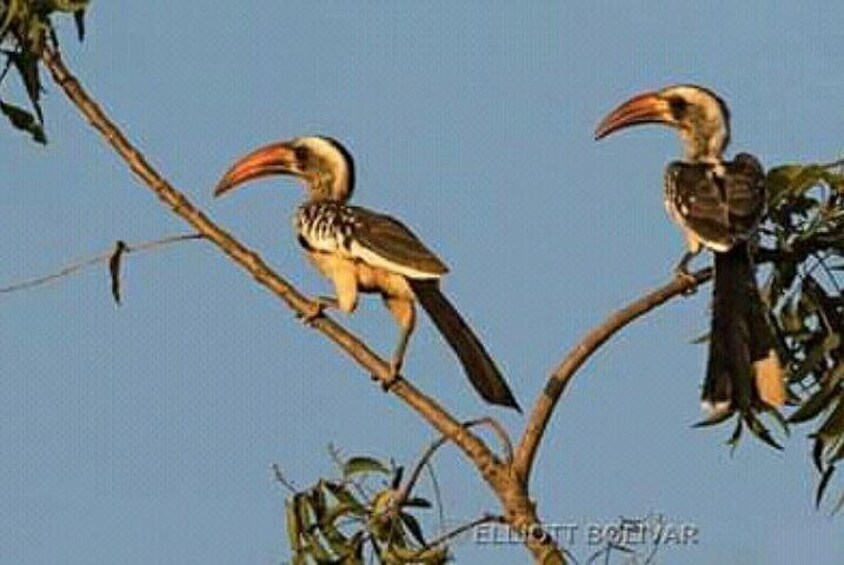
308 318
688 279
318 311
393 377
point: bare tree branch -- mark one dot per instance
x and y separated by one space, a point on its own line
520 512
556 385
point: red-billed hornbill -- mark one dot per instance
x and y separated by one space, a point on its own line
365 251
718 204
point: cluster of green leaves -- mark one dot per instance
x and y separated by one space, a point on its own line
365 514
803 241
24 27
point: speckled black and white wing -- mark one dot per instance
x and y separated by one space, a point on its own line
375 239
719 205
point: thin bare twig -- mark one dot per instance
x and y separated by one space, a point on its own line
280 478
556 385
485 519
503 436
417 470
438 498
425 458
81 264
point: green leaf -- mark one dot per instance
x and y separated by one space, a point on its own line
13 9
714 419
68 5
827 475
318 499
779 180
838 455
26 63
736 436
342 494
79 20
757 428
817 454
303 514
813 405
398 474
834 425
114 269
780 420
341 510
355 556
294 529
839 505
315 547
417 502
430 556
23 120
413 527
359 465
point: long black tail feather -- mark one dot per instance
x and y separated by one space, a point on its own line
743 371
478 365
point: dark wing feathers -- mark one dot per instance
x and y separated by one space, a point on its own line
393 241
746 193
720 209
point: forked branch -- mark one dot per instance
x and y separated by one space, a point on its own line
562 375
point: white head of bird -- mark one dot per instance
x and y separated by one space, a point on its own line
700 117
325 166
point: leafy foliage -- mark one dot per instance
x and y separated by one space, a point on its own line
24 27
365 513
801 249
803 240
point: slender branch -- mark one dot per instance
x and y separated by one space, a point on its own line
485 519
440 441
520 511
79 265
279 477
417 470
556 385
438 498
502 434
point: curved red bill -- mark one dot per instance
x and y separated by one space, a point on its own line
273 159
645 108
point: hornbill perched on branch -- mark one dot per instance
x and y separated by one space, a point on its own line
718 204
365 251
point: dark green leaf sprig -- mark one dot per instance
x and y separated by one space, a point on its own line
803 241
24 27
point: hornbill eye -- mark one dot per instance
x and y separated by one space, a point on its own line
678 106
301 154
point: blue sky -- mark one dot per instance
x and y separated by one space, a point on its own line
145 433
